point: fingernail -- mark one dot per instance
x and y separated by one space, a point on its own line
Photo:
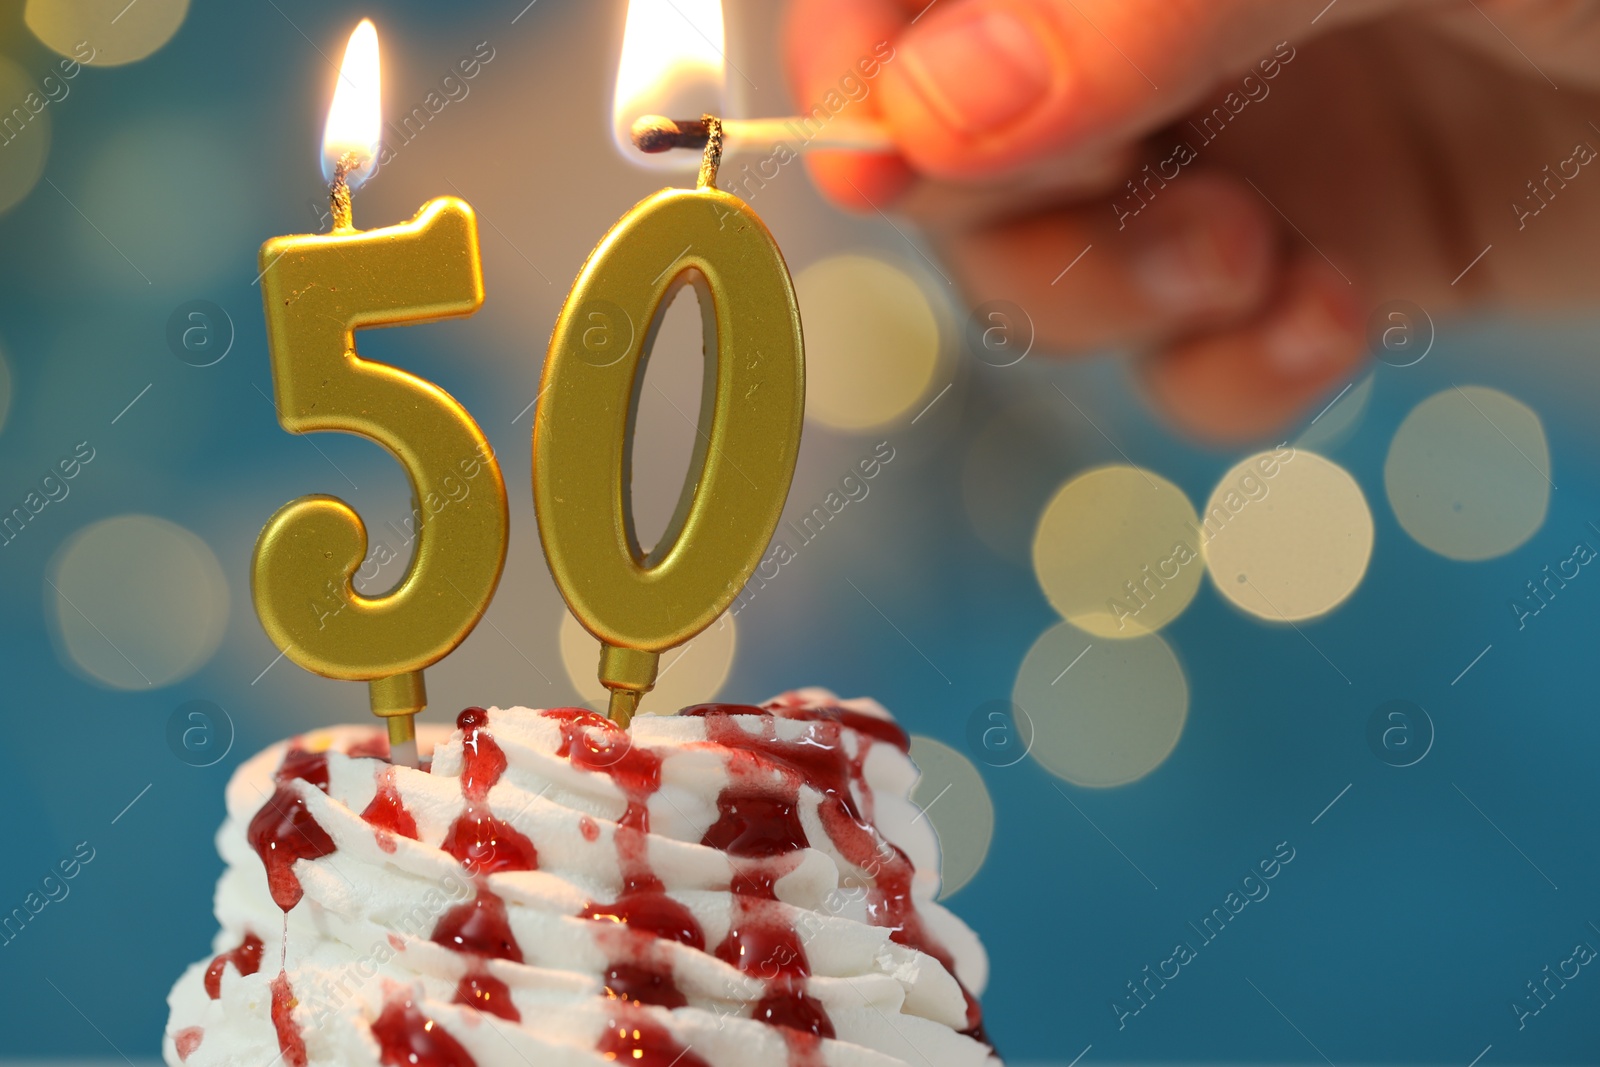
978 71
1196 268
1311 338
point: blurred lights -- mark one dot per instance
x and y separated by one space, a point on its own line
1468 473
690 674
117 31
963 820
1288 535
138 601
872 342
24 148
1104 713
1117 552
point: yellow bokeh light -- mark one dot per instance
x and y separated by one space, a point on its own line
138 601
24 134
1104 713
115 31
1117 552
690 674
872 342
956 801
1468 473
1288 535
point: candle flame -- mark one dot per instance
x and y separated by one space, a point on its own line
355 119
672 64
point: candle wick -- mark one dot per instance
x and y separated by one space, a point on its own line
712 158
339 192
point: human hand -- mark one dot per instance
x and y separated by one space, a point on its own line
1294 165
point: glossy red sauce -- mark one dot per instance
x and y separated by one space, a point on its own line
291 1042
284 831
246 959
408 1038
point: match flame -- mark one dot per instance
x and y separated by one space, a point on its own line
355 119
672 64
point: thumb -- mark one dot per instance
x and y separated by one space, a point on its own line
981 87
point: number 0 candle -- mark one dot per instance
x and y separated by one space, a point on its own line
318 290
640 604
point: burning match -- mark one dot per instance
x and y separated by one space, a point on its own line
657 133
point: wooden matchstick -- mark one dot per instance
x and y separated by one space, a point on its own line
656 133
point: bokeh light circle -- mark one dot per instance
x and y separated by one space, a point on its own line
872 341
137 601
1117 551
956 801
692 673
25 148
105 33
1288 535
1468 473
1105 713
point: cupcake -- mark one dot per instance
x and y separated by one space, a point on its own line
729 886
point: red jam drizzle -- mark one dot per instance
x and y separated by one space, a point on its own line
643 984
246 959
284 831
387 813
480 928
482 843
291 1042
594 743
187 1040
633 1037
407 1038
756 820
481 990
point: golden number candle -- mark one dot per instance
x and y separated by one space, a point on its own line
318 290
639 605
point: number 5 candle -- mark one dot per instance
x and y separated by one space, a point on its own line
318 290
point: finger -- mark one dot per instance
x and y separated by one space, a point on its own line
826 42
980 87
1248 382
1201 256
940 205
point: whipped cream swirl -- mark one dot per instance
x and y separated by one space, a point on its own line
724 887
